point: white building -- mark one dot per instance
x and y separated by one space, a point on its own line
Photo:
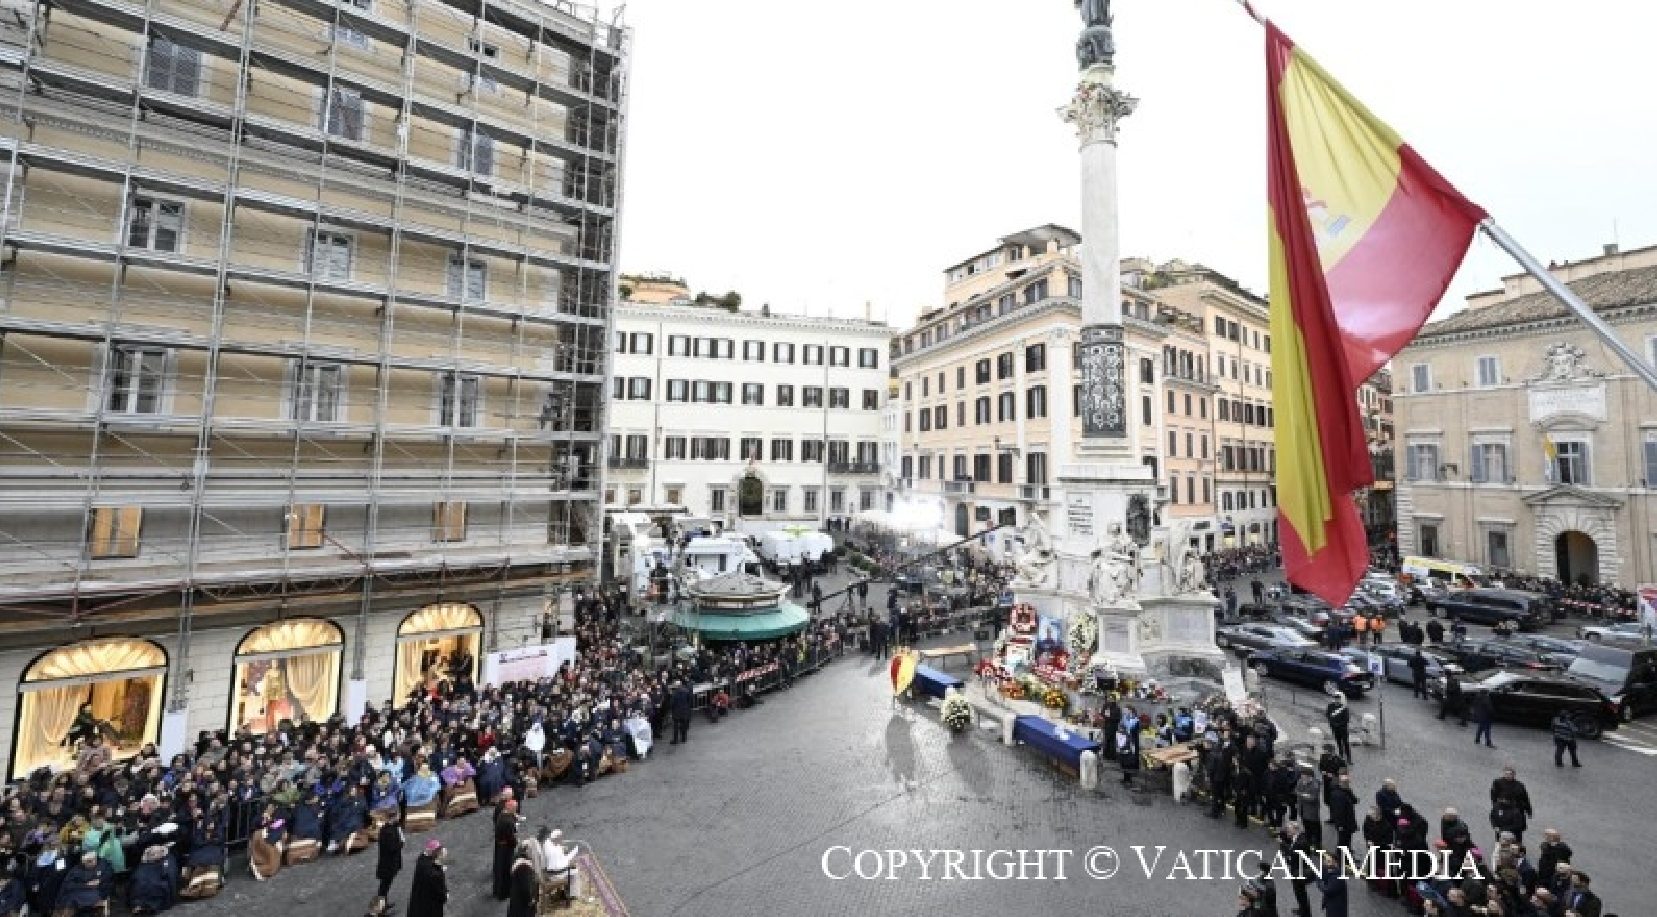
746 416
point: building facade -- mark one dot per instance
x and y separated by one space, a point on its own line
1236 343
1525 443
990 383
746 415
303 323
1376 503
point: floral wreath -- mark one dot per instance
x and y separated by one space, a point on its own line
1083 633
1024 617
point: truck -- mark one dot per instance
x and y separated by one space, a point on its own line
785 546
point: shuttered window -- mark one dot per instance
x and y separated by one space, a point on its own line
115 531
305 525
449 521
173 68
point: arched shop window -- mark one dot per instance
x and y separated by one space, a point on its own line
287 671
110 686
434 645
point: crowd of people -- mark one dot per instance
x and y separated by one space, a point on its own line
149 832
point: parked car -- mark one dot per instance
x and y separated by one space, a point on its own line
1532 699
1395 661
1623 630
1387 590
1529 610
1329 671
1497 653
1625 672
1301 626
1374 605
1559 649
1246 637
1311 610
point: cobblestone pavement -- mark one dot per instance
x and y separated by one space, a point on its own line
737 821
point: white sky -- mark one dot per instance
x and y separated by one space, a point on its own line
817 155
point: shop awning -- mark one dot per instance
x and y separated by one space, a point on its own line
785 619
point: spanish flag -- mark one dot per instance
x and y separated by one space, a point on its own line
1365 238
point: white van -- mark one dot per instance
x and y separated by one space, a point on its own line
784 546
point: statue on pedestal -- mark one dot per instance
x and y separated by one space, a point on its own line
1186 569
1035 564
1096 44
1115 575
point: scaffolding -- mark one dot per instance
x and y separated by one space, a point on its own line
261 258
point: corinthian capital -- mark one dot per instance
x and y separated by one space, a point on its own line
1095 110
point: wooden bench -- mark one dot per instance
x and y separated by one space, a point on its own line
969 650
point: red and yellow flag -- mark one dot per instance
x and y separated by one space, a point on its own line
1365 238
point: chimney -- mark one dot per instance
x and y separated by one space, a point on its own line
1610 248
765 310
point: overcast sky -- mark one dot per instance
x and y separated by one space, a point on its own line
820 155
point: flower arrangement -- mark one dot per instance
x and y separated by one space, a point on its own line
1012 689
956 713
1024 618
1081 638
1055 699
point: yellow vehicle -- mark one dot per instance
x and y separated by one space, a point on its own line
1424 575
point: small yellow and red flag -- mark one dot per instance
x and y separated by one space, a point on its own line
1365 237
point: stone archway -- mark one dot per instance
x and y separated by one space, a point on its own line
750 495
1576 557
1596 524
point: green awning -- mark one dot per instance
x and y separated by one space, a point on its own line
785 619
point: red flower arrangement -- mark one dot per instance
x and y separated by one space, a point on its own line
1024 618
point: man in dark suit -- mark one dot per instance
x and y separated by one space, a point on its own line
1581 899
1299 855
679 703
1333 886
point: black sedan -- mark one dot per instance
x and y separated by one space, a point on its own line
1560 651
1533 698
1501 652
1246 637
1330 672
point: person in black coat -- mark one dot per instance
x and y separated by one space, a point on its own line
526 883
1333 887
390 862
429 891
1343 810
1296 847
506 847
679 702
1418 674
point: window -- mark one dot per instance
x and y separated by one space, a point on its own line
926 419
837 500
981 467
1427 539
1006 407
926 386
1651 462
1035 402
1006 303
716 348
466 279
1173 443
811 450
779 500
960 377
810 499
926 467
753 393
981 409
813 396
1495 543
673 495
115 531
812 355
782 353
782 450
1035 468
840 356
328 255
458 401
1004 366
1490 372
785 396
476 152
840 398
618 388
871 399
673 447
1147 370
640 343
981 371
1489 463
716 499
753 449
716 448
137 379
1207 490
1571 465
638 388
753 351
345 34
678 390
173 68
1202 408
305 525
449 521
678 345
1422 462
1421 378
1173 490
316 392
960 413
1004 468
1188 405
155 224
1225 409
343 116
1035 358
868 358
908 391
940 417
1171 397
865 499
960 468
1190 489
477 79
1035 292
1144 410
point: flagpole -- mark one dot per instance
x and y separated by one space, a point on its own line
1563 293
